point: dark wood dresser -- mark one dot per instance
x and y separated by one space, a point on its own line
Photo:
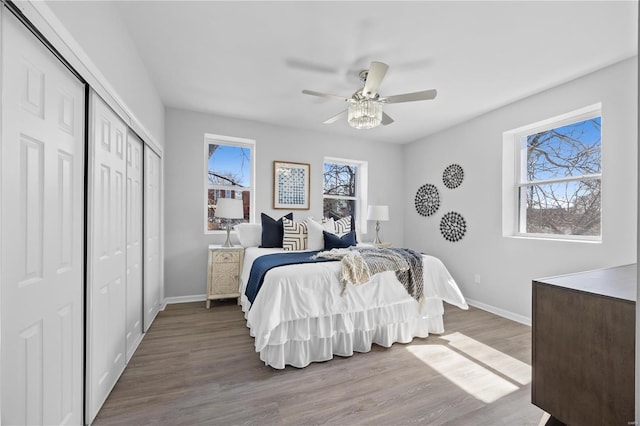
584 347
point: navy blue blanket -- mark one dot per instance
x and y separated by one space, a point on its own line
265 263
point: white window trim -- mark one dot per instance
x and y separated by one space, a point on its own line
511 174
361 190
234 141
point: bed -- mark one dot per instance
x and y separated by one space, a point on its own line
302 315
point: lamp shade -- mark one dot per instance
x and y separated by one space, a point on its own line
229 208
379 213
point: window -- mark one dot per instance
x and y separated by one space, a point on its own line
229 165
345 189
558 177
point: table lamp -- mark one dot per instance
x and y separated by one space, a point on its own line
227 209
378 213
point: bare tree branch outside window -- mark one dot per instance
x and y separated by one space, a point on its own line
340 190
228 176
563 175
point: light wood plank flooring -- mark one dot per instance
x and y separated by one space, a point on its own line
199 366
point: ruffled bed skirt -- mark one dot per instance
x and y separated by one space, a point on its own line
300 342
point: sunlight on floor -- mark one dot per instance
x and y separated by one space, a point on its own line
476 368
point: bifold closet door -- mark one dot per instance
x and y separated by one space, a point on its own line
152 244
42 215
107 260
134 242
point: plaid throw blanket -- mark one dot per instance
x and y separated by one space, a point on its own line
359 264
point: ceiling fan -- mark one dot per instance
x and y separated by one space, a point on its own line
365 105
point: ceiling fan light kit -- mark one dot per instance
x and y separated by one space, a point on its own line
365 105
364 114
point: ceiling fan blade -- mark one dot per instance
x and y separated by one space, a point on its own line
335 118
410 97
386 119
324 95
376 73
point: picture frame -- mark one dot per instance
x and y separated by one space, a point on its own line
291 185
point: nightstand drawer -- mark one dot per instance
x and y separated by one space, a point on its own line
225 269
223 256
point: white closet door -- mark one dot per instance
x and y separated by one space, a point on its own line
42 151
152 249
106 303
134 242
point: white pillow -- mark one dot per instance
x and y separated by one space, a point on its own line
315 240
249 234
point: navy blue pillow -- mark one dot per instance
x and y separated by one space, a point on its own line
332 241
272 230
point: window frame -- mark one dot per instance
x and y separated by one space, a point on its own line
210 138
514 166
362 179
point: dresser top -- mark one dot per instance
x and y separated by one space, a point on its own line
619 282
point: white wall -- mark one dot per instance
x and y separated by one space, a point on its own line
185 241
507 265
99 31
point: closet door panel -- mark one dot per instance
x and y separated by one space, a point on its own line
42 152
134 242
152 237
106 302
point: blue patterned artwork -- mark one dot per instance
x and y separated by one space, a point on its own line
291 185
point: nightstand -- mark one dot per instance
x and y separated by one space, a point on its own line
383 245
223 272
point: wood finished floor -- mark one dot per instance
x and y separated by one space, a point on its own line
198 366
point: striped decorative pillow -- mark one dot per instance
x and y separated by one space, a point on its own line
295 235
343 226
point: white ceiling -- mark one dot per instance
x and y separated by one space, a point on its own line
251 60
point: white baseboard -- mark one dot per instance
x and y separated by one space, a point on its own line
500 312
185 299
135 345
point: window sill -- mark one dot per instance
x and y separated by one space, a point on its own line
219 232
559 239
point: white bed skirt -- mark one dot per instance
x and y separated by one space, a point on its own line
303 313
303 341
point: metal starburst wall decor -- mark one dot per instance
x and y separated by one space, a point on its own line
452 176
427 200
453 226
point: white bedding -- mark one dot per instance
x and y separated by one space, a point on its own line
300 315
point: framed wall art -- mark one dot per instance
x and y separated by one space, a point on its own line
290 185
